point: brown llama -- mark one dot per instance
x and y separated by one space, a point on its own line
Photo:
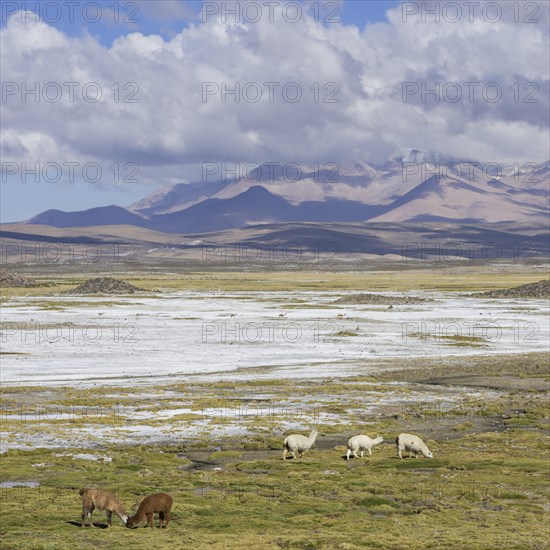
160 503
102 500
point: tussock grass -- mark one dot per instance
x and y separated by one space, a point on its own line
235 491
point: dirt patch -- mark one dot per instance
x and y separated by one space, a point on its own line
8 279
422 370
494 382
540 289
380 299
104 285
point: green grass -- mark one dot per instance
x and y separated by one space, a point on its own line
492 484
405 278
287 504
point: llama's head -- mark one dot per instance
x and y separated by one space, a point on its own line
428 454
131 522
314 433
379 439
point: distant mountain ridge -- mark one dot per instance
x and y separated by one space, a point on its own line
101 215
414 188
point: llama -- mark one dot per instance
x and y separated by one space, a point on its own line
282 315
342 316
160 503
296 443
102 500
413 445
362 443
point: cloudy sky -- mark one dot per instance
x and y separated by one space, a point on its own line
109 105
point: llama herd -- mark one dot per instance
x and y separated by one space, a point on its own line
297 445
161 503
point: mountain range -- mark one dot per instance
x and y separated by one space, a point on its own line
415 207
416 188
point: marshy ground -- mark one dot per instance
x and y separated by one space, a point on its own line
213 441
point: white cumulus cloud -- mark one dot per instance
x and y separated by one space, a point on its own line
141 99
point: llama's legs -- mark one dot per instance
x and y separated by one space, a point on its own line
90 512
109 518
355 454
348 453
399 453
166 519
370 452
284 453
83 516
362 453
161 519
150 520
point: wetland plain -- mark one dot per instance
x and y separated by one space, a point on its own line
190 385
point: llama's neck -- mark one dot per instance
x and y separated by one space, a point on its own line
121 513
122 516
139 515
312 437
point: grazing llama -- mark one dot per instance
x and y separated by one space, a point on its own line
413 445
160 503
102 500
